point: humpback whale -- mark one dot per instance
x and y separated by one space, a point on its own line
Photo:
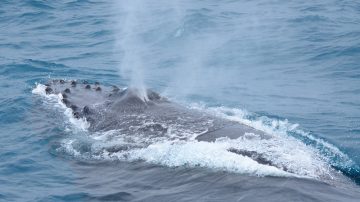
108 108
129 112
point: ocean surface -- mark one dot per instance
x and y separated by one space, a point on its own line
290 68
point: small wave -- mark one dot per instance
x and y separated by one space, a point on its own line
38 4
117 196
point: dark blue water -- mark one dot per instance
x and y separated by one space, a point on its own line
291 67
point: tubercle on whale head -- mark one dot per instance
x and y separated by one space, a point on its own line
115 88
48 90
153 95
73 83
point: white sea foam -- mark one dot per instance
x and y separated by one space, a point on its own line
39 90
212 155
289 154
55 100
284 154
278 128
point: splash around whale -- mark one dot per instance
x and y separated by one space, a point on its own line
122 124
